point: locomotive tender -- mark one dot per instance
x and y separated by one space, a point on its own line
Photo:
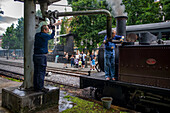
142 70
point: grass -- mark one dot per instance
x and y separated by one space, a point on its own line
12 79
83 106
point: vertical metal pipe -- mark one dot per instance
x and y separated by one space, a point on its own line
109 27
160 35
121 25
29 32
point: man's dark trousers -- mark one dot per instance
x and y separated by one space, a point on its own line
40 63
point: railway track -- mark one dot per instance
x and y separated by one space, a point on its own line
67 77
70 72
18 76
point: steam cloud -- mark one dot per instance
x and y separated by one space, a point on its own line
117 7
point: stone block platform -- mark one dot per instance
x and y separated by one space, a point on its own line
18 101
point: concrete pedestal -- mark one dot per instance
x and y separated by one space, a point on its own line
18 101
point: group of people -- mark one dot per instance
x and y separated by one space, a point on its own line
41 50
78 60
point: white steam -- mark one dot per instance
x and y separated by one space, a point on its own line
117 7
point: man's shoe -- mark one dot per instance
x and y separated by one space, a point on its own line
107 78
113 79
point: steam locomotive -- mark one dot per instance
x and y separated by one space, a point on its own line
142 71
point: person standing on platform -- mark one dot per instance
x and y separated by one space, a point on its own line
80 63
40 56
72 60
91 58
77 57
93 63
83 59
109 55
65 59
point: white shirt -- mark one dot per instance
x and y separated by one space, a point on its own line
77 56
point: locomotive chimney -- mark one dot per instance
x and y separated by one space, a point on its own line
121 25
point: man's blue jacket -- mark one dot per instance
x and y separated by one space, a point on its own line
41 42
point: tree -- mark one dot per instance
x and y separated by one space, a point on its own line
20 33
9 39
88 26
70 1
142 11
14 37
166 8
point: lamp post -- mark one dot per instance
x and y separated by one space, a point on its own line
7 52
86 49
10 35
86 54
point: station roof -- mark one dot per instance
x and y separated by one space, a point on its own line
37 1
144 27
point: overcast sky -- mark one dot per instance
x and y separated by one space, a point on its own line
14 10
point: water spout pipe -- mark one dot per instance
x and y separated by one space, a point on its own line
57 14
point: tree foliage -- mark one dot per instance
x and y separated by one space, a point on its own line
166 8
142 11
14 37
20 33
87 27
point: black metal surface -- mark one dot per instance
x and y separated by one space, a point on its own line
134 66
124 93
121 25
101 57
146 38
98 82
